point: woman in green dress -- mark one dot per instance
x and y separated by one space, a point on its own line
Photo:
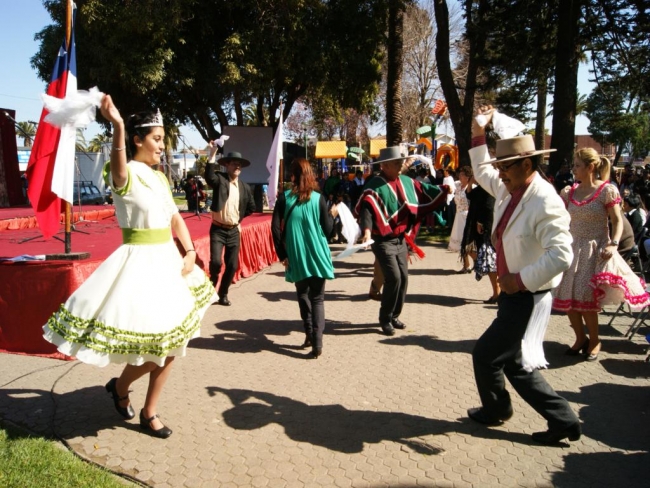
300 225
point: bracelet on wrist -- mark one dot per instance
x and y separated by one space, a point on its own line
119 148
189 250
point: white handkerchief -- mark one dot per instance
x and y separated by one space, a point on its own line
76 109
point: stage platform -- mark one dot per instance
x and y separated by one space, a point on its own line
31 291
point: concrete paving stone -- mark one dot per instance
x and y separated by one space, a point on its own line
144 475
159 478
290 476
277 483
192 463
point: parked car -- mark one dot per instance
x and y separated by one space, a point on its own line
90 194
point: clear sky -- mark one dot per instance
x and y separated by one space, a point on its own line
20 87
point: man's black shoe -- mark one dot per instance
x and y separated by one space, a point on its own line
479 415
398 324
388 329
551 437
224 301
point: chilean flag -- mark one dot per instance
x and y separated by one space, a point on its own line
50 170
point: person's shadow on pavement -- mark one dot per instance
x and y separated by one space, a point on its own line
340 429
79 413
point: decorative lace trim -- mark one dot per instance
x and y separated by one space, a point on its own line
95 335
615 281
577 305
588 200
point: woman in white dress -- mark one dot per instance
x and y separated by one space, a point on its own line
462 207
145 302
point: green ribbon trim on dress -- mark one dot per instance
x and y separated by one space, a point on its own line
102 338
146 236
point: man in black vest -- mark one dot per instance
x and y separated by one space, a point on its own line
232 201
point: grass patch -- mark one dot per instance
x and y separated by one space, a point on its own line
34 462
438 235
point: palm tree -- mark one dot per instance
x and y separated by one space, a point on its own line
581 105
171 144
27 132
394 48
250 116
80 142
95 145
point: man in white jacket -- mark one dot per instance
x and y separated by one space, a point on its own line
533 244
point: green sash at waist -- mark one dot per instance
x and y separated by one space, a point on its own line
146 236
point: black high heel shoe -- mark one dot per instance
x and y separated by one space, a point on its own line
145 424
582 349
126 412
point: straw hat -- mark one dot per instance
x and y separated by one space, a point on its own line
516 148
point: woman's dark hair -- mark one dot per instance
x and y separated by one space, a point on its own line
304 181
467 171
142 132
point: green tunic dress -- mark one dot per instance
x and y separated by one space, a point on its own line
305 242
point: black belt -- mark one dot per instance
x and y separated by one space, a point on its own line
224 226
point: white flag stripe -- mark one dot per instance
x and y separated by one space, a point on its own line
64 164
273 164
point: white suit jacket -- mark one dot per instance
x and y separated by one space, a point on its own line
536 242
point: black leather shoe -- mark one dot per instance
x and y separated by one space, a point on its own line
398 324
224 301
388 329
479 415
145 424
307 342
550 437
126 412
316 351
574 352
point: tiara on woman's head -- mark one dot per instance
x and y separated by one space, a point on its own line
157 121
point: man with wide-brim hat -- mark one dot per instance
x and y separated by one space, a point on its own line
390 209
232 201
533 247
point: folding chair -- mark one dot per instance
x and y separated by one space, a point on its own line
639 319
633 258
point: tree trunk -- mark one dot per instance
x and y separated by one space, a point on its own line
461 113
566 83
540 122
394 112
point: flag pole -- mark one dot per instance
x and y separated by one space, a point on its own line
68 205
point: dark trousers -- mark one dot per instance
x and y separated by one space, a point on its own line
311 300
229 239
498 353
392 255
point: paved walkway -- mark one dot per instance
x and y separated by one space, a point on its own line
249 409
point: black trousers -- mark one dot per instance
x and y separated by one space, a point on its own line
229 239
311 300
498 353
392 256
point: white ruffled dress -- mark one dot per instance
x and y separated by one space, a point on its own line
137 306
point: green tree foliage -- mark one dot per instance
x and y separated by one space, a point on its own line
204 62
618 108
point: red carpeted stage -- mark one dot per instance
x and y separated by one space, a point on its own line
31 291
